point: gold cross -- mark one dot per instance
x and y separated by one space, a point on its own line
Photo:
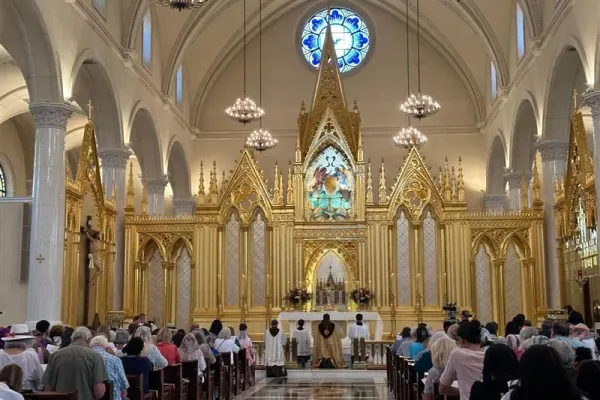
39 259
90 108
574 99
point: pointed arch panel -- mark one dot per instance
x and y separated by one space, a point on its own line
483 285
184 288
403 258
429 227
232 261
512 283
156 289
259 260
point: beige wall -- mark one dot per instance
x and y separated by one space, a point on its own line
11 150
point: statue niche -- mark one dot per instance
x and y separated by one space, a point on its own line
330 282
329 187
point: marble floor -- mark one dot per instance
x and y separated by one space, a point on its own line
320 384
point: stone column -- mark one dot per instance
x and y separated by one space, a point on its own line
554 164
514 190
44 294
592 99
184 207
114 173
156 195
494 202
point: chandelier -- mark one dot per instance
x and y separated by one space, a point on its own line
410 137
245 110
261 140
418 106
181 5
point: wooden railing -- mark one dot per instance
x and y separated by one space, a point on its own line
365 354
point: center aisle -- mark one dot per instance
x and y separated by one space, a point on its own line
320 384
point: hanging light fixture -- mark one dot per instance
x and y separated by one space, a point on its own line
244 110
181 5
260 139
419 105
410 136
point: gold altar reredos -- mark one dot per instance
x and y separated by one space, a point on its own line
362 232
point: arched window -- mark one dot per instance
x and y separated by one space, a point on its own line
520 32
3 190
179 85
493 81
232 262
147 40
351 37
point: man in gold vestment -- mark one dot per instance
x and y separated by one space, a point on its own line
327 351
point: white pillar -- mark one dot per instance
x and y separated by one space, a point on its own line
554 164
514 190
184 207
156 195
114 172
44 294
494 202
592 99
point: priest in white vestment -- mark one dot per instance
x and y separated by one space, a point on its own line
359 330
274 353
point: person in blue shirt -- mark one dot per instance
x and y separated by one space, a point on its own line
134 363
419 344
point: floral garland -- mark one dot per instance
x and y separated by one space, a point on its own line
299 296
361 295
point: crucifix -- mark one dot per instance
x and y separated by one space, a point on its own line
39 259
90 108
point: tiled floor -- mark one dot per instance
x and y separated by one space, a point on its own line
320 384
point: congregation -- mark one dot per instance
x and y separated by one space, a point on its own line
469 361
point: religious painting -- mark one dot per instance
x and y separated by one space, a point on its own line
330 185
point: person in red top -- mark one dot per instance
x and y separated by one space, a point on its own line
166 348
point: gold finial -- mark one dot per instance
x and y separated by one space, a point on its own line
454 190
213 190
524 190
277 195
447 183
302 107
536 187
144 199
130 204
440 182
574 99
460 184
369 184
223 182
90 108
201 193
557 192
290 185
383 198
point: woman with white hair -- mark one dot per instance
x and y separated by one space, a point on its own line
423 362
440 352
150 350
190 351
204 346
225 344
15 352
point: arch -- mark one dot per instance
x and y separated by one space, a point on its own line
24 34
135 16
523 138
496 166
91 81
568 73
521 245
174 251
7 180
491 247
148 243
345 250
533 18
145 143
179 174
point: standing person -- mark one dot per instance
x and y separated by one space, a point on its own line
113 365
359 330
327 351
465 364
500 368
274 355
574 317
302 337
77 368
11 377
16 352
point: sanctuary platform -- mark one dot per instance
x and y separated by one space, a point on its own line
343 319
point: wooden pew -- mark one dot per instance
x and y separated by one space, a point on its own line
174 375
243 371
166 391
189 371
220 376
235 374
136 389
51 396
438 396
109 393
228 375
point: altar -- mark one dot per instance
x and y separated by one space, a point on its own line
342 319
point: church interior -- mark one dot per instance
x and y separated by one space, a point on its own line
251 161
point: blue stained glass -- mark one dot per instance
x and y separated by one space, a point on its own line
351 37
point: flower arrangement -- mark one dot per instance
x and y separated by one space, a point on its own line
299 296
361 295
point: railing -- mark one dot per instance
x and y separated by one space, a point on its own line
366 354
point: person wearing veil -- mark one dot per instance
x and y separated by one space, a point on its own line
327 351
274 354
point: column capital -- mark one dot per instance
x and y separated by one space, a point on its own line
592 99
157 185
184 206
553 149
51 115
513 179
494 202
114 158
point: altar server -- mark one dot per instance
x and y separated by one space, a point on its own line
302 337
274 354
359 330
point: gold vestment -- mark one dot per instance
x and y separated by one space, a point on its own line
328 348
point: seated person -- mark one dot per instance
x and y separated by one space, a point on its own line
134 363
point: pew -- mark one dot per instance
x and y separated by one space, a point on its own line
51 396
438 396
195 388
136 388
220 371
228 374
209 383
243 372
166 391
174 375
109 394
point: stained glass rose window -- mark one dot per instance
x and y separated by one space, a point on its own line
351 37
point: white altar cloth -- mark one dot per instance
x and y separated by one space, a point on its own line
292 317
